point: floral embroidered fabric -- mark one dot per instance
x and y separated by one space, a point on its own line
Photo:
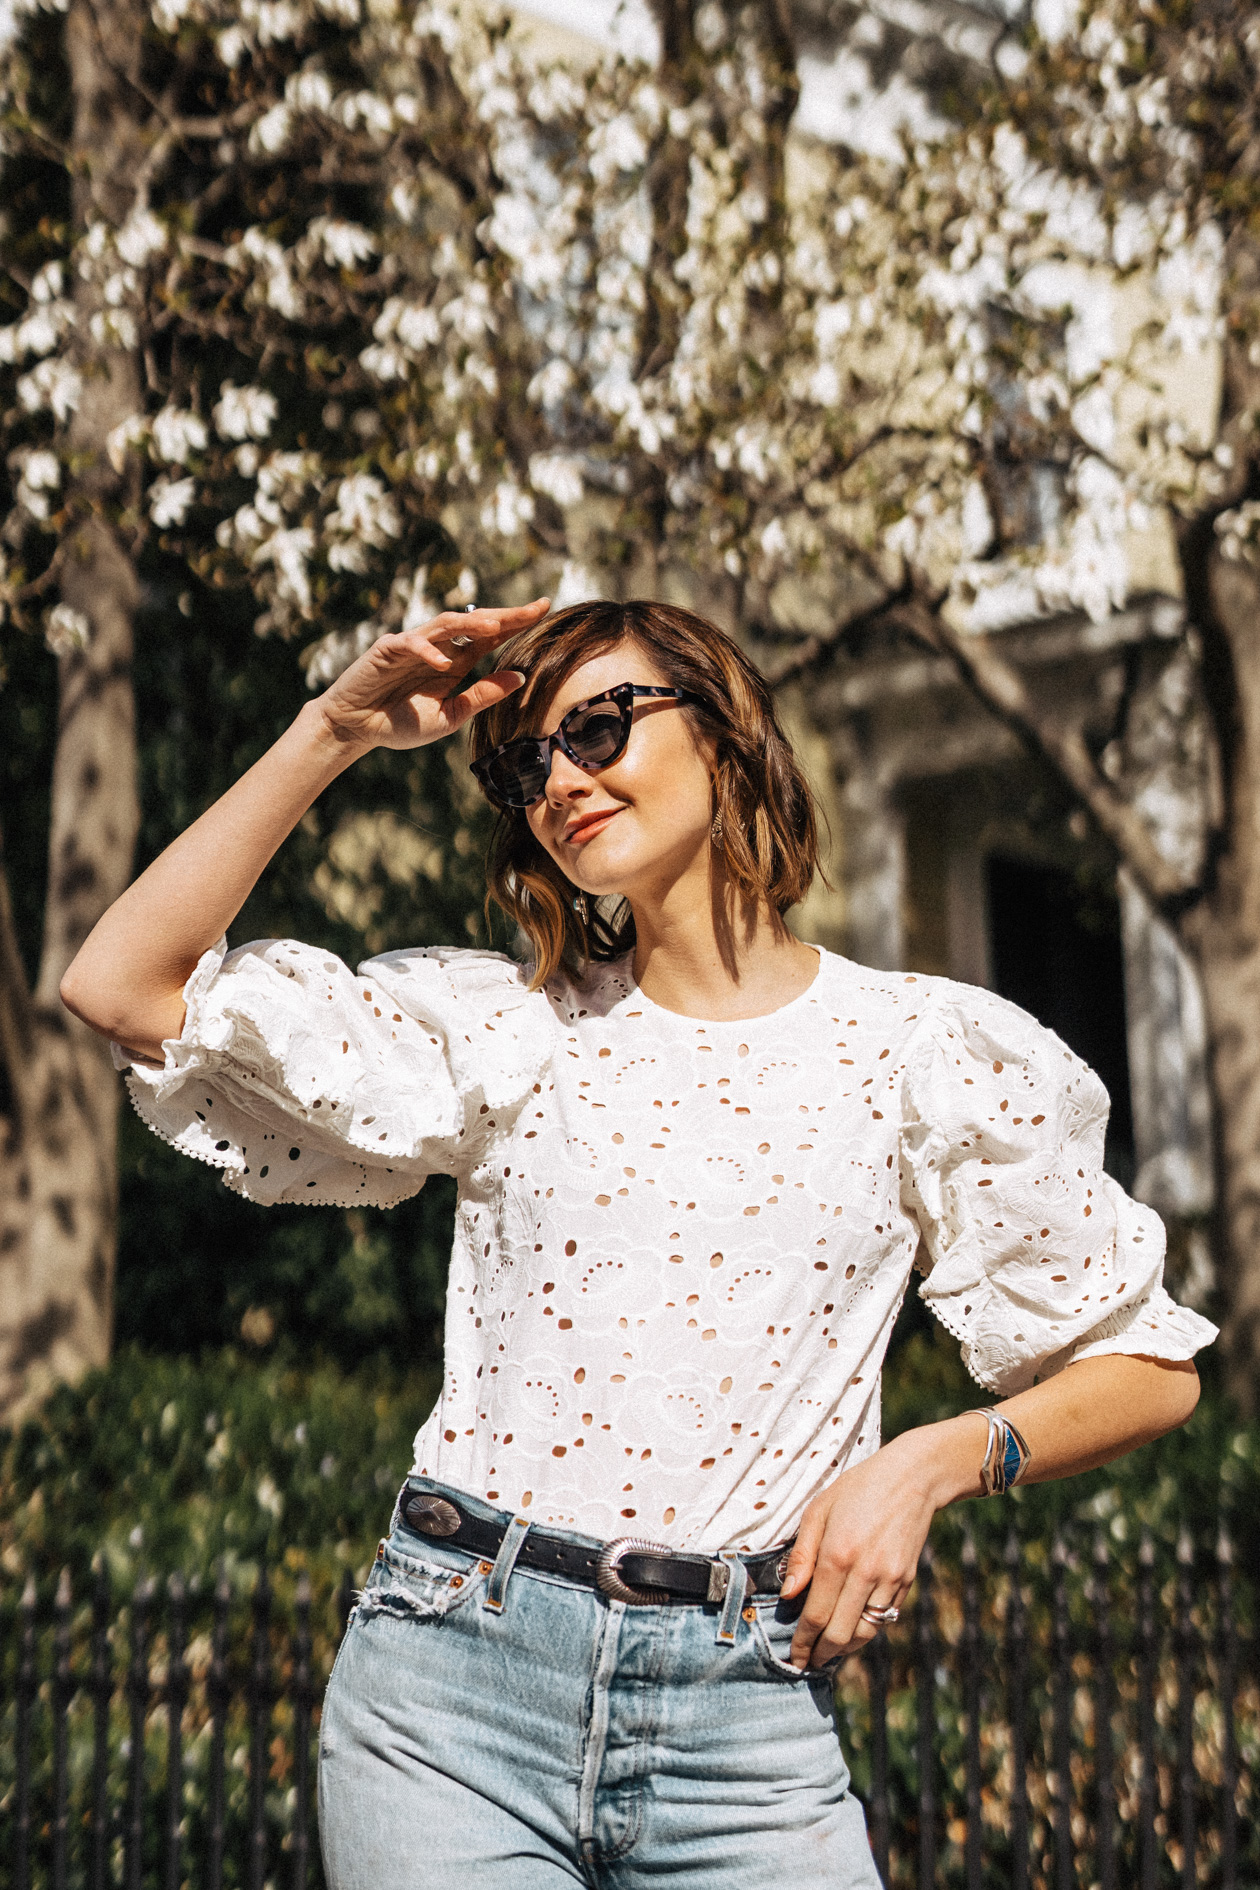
680 1244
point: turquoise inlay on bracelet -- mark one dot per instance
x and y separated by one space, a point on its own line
1006 1455
1012 1462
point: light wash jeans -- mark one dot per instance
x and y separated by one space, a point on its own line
568 1739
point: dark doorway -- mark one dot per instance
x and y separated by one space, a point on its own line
1055 942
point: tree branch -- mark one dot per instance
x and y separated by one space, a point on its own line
1003 690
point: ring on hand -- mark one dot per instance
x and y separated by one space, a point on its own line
881 1617
461 643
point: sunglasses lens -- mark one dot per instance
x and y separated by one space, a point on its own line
517 776
597 734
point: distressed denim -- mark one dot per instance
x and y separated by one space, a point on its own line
568 1739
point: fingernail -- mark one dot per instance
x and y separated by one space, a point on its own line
518 673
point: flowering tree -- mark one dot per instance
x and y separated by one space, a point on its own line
360 310
207 209
1125 158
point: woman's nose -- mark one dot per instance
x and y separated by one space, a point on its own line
566 778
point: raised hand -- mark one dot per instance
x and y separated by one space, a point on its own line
407 689
129 976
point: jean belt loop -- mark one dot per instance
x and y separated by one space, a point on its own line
504 1562
396 1518
733 1601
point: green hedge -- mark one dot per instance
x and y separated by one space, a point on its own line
168 1464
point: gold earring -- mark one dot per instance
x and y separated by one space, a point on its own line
717 829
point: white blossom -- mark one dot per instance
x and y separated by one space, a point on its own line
309 91
1094 417
244 412
575 585
616 146
39 331
53 384
169 501
274 20
40 475
333 653
167 14
270 133
977 520
559 475
463 591
1239 532
278 287
142 236
48 283
177 433
42 470
66 630
344 245
365 509
114 328
122 438
508 509
418 606
288 553
366 109
551 383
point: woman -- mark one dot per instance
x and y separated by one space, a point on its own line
696 1161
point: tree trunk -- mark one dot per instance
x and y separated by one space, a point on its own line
58 1199
1223 935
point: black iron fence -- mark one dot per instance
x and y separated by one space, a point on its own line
1047 1717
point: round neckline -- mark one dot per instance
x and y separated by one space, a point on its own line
636 991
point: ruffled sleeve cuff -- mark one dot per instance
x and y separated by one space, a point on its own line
306 1082
1034 1255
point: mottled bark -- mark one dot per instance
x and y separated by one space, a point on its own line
58 1196
1223 935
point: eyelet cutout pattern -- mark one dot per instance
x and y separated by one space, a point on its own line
680 1244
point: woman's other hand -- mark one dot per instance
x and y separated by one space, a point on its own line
407 689
860 1539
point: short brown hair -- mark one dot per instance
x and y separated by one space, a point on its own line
769 824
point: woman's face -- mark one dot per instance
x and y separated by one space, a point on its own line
640 826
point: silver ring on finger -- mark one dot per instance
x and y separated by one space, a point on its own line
880 1617
460 643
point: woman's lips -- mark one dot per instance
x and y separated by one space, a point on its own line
588 828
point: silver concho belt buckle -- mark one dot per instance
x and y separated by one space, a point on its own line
609 1582
432 1515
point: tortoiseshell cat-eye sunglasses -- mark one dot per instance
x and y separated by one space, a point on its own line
592 735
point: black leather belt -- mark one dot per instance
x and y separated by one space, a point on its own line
630 1569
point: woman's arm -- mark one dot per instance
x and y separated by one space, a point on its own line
860 1540
128 977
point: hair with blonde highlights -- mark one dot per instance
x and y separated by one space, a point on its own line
769 828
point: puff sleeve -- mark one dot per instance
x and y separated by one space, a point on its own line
304 1081
1035 1257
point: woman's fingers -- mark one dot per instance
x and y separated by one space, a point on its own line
804 1551
846 1630
482 695
815 1617
482 628
455 640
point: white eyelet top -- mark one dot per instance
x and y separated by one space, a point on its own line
680 1245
